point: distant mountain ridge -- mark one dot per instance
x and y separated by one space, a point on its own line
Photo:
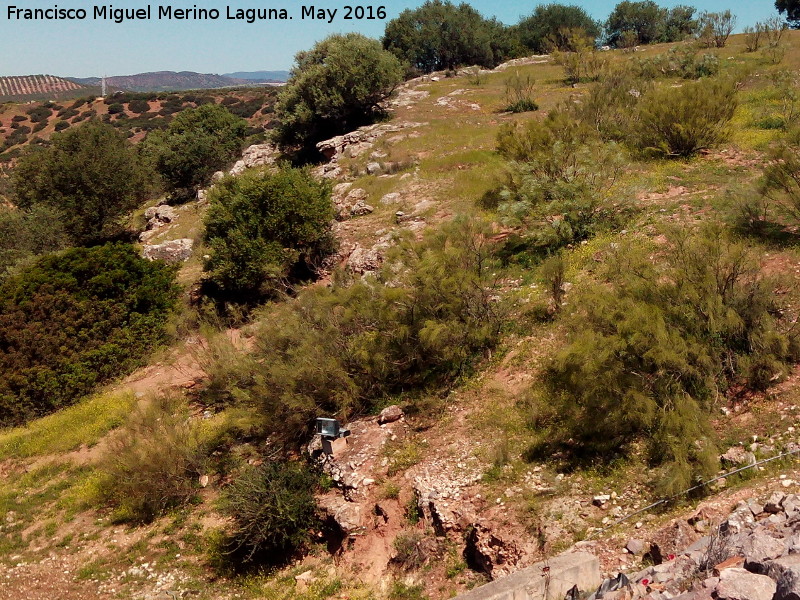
260 75
159 81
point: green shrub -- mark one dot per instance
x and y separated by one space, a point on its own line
91 174
560 178
519 93
39 113
198 142
139 106
28 233
679 61
265 230
682 121
610 107
273 509
581 60
75 320
409 552
153 462
61 125
115 108
654 345
340 350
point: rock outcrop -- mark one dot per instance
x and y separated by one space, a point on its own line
172 252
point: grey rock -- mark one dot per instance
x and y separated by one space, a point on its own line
172 252
374 168
739 584
158 216
361 208
390 414
755 507
391 198
635 546
736 456
773 505
785 571
758 548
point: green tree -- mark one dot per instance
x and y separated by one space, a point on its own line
440 35
646 19
198 142
91 174
265 229
792 10
335 87
543 30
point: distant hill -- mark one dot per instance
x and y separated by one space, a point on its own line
161 81
280 76
39 87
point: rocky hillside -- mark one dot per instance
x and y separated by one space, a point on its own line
439 489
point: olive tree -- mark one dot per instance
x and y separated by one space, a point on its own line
91 174
335 87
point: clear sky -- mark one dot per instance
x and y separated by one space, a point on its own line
84 48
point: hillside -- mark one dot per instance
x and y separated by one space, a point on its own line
161 81
446 484
38 87
21 124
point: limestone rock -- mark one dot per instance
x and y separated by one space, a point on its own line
785 571
739 584
172 252
736 456
158 216
390 414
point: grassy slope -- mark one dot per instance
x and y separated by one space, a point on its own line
47 480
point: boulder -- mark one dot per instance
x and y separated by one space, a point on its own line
739 584
758 548
774 504
159 215
374 168
390 414
172 252
361 208
635 546
736 456
785 571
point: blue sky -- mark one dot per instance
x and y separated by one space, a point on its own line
92 48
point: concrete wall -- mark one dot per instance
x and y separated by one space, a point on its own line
538 583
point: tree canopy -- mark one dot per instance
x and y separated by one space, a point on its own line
198 142
792 10
649 22
544 29
440 35
335 87
91 174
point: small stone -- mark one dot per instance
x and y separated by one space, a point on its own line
390 414
374 168
773 505
601 499
635 546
